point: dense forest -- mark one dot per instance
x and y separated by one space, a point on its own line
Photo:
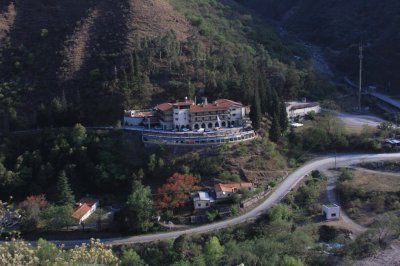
88 61
339 26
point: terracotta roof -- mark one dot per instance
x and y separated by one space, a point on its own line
228 102
164 107
84 206
231 187
81 210
218 105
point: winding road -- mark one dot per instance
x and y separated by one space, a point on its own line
289 183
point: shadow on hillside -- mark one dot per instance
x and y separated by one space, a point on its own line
4 5
107 44
38 34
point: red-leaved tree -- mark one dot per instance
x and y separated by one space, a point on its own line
176 191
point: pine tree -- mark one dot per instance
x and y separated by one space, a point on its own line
255 110
283 120
274 103
275 130
65 194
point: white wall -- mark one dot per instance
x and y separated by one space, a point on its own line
237 113
181 117
331 212
303 111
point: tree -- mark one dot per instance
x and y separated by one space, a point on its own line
96 253
275 130
283 119
213 251
56 217
139 208
279 213
255 110
30 211
130 257
175 192
78 134
65 194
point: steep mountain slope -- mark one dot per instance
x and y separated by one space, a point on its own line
60 37
88 60
339 26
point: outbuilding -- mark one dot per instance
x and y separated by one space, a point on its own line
202 200
331 211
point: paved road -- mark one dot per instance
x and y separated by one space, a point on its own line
275 197
360 120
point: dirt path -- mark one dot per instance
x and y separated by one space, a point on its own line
356 228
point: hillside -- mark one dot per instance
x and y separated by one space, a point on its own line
86 61
338 26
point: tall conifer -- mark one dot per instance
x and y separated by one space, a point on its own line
65 194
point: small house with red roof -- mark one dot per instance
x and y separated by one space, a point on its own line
225 191
84 208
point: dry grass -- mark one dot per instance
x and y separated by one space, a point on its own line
154 17
374 181
7 20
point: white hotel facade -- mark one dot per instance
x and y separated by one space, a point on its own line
222 113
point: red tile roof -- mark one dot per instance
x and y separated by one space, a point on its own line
84 206
80 211
231 187
164 107
218 105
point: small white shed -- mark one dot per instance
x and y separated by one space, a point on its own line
331 211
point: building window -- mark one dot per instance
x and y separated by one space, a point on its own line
210 125
199 205
176 119
207 204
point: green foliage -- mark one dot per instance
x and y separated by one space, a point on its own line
255 110
280 214
139 209
212 215
275 130
65 194
346 174
227 176
213 251
130 257
56 217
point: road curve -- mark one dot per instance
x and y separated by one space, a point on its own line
290 182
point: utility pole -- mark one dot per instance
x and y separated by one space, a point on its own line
360 81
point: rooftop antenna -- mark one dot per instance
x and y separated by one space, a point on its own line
361 57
